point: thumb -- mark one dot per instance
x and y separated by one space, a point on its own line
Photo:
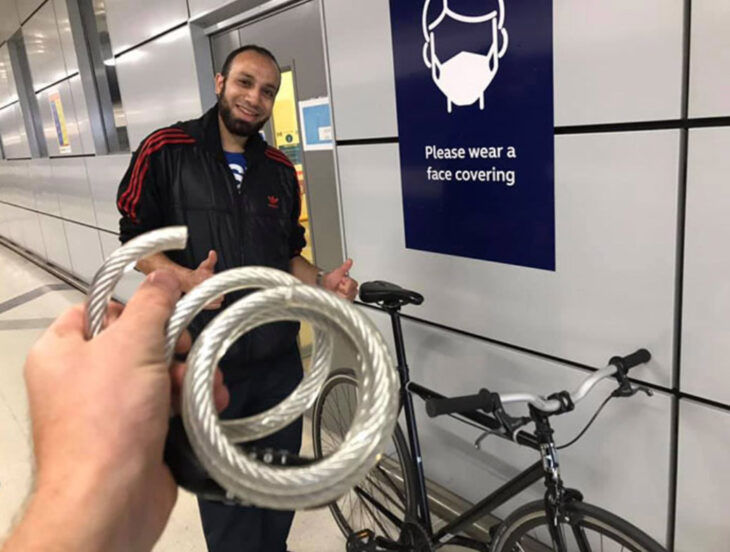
151 306
341 272
209 262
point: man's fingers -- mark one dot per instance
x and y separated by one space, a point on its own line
184 343
221 396
151 306
70 323
210 261
215 303
338 273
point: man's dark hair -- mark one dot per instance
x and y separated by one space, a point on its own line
248 47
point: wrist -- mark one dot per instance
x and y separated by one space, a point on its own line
319 278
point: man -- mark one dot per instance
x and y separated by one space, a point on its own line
240 200
100 483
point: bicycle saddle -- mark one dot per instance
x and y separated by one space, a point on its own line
390 295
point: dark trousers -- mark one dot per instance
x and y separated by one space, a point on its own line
254 389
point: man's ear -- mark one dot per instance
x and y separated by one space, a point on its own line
219 80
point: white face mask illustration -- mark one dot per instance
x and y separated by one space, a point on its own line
465 77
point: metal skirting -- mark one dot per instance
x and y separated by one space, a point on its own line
58 272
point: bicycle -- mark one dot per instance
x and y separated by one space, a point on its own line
393 500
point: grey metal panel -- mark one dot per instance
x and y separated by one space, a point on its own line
46 197
69 113
84 249
43 45
54 238
133 21
81 110
105 173
8 91
26 7
706 300
12 132
613 289
363 91
33 234
9 21
158 84
223 44
702 505
21 186
710 59
72 185
304 45
610 67
131 280
65 35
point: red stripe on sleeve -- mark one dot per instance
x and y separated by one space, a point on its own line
151 140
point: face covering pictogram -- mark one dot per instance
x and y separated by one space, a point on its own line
464 78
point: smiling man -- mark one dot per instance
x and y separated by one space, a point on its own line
240 200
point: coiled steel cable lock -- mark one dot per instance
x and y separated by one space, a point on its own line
201 450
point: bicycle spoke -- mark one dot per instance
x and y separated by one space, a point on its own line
580 537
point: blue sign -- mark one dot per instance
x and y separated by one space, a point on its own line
474 91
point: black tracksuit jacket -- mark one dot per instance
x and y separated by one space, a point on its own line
179 176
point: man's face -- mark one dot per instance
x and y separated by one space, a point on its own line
246 96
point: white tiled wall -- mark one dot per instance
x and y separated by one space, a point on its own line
710 59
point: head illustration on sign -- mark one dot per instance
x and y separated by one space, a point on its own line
463 72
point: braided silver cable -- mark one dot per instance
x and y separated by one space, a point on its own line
275 486
283 298
303 397
108 276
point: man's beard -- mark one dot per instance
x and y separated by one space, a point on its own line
236 126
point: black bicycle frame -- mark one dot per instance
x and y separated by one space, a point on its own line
512 488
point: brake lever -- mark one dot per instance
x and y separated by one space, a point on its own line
628 390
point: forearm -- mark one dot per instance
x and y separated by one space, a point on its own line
302 269
56 521
162 261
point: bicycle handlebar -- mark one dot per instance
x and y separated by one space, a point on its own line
488 401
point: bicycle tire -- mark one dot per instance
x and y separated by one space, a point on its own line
590 528
353 511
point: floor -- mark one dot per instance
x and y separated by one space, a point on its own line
30 299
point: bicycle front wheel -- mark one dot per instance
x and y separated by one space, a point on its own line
585 528
386 497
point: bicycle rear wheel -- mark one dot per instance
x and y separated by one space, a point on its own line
586 529
386 497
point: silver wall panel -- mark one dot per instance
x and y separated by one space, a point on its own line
66 37
702 506
9 22
706 301
105 173
46 193
84 249
11 223
8 91
459 365
131 279
72 185
43 46
617 61
363 92
133 21
54 238
12 132
33 235
158 84
81 110
221 45
26 7
613 290
710 59
50 130
20 185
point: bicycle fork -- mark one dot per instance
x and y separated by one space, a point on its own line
556 496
